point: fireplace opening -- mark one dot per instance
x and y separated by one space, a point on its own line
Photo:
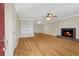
68 32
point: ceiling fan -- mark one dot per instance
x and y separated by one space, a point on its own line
49 16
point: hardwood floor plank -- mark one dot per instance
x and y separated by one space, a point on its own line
46 45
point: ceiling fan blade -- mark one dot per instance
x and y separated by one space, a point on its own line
55 16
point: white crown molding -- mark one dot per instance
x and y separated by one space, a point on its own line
69 16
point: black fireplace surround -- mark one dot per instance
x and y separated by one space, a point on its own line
68 32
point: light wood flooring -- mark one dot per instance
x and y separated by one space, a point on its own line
46 45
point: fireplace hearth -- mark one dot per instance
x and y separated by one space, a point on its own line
68 32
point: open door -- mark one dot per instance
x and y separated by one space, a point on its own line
1 29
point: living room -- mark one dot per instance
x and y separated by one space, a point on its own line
50 21
30 26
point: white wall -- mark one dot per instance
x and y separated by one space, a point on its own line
38 28
51 28
26 29
10 29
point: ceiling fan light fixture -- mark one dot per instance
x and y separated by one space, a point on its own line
48 18
49 15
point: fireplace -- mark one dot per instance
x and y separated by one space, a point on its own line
68 32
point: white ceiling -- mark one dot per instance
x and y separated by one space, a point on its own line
35 11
